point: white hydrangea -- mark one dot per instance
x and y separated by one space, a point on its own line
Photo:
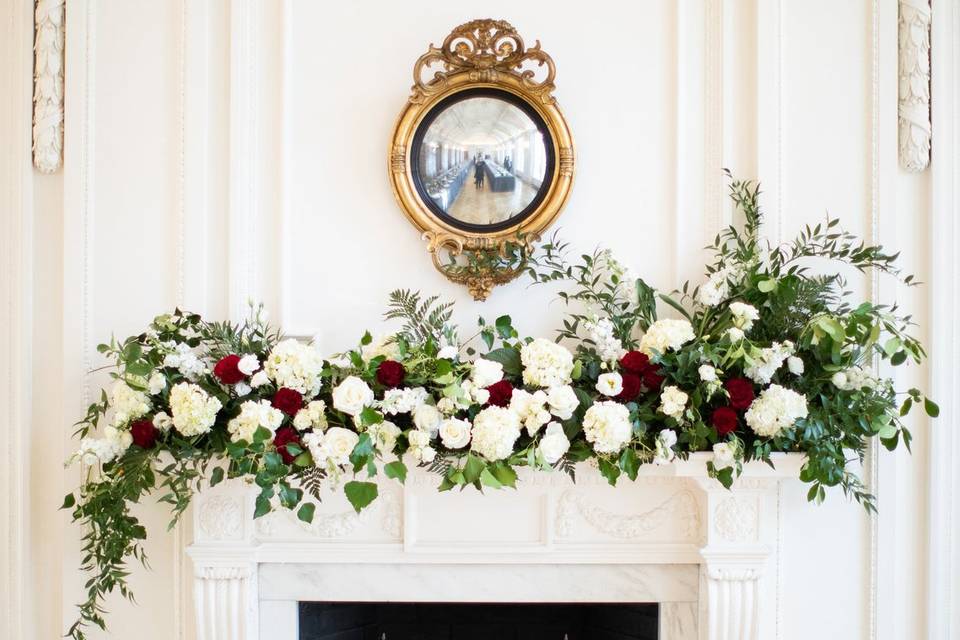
312 416
352 395
554 444
795 365
608 346
296 366
420 448
495 430
194 411
707 373
673 401
531 407
248 364
472 394
546 363
454 433
127 403
385 346
94 451
403 400
724 455
744 315
853 379
776 409
610 384
563 401
664 453
666 335
157 383
715 289
768 362
186 361
253 415
331 448
486 372
384 435
162 422
607 427
427 418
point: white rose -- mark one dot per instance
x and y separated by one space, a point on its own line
563 401
248 364
673 401
546 363
481 396
425 455
259 379
486 372
607 426
455 434
337 445
795 365
427 418
724 455
495 430
664 453
418 438
384 435
352 395
707 373
610 384
554 443
157 383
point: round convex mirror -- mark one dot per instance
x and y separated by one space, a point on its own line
482 159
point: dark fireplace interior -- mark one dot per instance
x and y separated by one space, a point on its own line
455 621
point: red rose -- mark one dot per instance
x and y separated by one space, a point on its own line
228 370
144 434
631 387
724 420
500 393
635 362
740 391
652 379
287 400
286 435
391 373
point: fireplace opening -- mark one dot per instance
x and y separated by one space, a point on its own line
458 621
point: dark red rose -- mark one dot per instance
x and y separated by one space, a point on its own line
635 362
740 391
652 379
724 420
228 370
631 387
287 400
500 393
284 436
144 434
391 373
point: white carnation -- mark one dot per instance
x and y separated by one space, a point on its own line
707 373
795 365
664 453
454 433
241 389
768 362
186 361
495 430
531 407
312 416
127 403
665 335
546 363
486 372
331 448
607 426
673 401
724 455
744 315
259 379
403 400
157 383
296 366
610 384
248 364
194 411
563 401
254 415
427 418
384 435
554 444
776 409
352 395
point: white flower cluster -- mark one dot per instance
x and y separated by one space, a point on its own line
254 415
102 450
554 444
296 366
194 411
715 289
420 448
546 363
770 360
384 435
608 346
127 403
184 360
495 430
486 372
610 384
776 409
471 393
352 395
312 416
332 448
665 335
664 453
404 400
162 421
744 315
385 346
427 418
454 433
157 383
724 455
673 401
607 427
854 379
563 401
531 409
626 277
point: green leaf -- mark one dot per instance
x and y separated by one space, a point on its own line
505 474
262 434
303 460
272 461
629 463
305 512
397 470
262 507
898 358
370 416
216 476
766 286
68 501
609 470
931 407
473 468
891 346
362 451
366 339
488 479
508 357
360 494
504 327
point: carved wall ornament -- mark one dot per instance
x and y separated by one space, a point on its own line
736 519
681 507
221 518
48 85
914 85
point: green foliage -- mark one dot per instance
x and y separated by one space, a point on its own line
423 319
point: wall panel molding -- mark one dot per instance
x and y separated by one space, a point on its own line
914 73
48 85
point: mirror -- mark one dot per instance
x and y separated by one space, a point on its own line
480 159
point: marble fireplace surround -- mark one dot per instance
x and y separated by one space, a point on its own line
675 536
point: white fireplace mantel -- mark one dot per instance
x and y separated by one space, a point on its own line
675 536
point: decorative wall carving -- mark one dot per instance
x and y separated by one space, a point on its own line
221 518
914 75
735 519
681 507
339 524
48 85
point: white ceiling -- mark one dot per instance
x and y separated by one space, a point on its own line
479 122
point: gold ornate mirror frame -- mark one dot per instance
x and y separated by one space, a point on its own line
482 54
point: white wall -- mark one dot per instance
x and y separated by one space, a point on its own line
232 148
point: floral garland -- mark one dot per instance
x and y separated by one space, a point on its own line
764 356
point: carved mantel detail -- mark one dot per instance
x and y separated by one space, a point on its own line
48 85
914 85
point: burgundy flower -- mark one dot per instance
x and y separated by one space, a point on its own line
631 387
284 436
391 373
740 391
500 393
228 370
652 379
144 434
724 420
635 362
287 400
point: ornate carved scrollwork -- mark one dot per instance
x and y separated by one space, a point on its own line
488 262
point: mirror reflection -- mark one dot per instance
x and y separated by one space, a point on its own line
482 160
